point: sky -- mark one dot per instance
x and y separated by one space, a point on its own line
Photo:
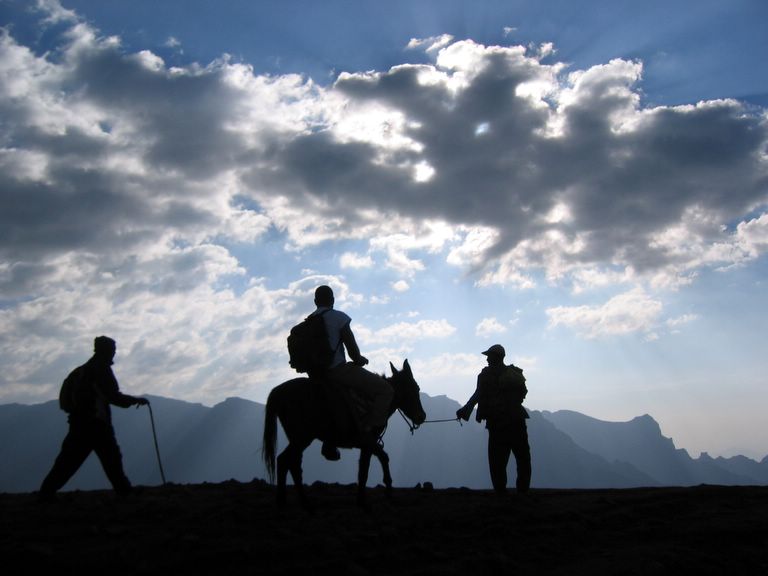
584 183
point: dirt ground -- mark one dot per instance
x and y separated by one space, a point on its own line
236 528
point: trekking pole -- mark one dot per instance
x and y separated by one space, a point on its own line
157 448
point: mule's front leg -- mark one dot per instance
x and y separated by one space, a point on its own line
362 475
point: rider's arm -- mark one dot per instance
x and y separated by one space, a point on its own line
348 338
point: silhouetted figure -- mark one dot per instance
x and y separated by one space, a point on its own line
499 395
93 388
350 375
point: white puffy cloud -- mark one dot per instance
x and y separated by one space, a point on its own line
489 327
633 311
405 332
352 260
401 286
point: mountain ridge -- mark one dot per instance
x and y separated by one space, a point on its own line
215 444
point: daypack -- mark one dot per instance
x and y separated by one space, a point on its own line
70 394
512 381
503 398
308 348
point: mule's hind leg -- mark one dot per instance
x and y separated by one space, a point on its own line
283 465
290 461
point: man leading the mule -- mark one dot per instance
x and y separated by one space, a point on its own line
499 395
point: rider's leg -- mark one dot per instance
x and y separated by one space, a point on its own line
325 397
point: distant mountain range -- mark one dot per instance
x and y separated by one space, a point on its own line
201 444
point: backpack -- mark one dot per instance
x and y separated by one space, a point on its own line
71 390
308 347
503 398
512 382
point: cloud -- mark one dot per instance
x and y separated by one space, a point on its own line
131 189
569 176
407 332
351 260
431 44
633 311
453 375
401 286
675 323
54 12
590 176
489 327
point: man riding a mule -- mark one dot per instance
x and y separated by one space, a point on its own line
325 405
350 378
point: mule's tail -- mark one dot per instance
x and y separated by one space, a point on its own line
269 439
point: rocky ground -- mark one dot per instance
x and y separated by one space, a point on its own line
233 528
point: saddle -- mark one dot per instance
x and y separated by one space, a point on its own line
343 411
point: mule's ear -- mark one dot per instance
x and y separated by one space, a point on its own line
394 370
407 367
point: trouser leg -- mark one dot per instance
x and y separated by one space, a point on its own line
498 458
108 451
74 450
522 451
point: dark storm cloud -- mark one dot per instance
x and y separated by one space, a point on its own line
86 209
106 151
625 173
183 115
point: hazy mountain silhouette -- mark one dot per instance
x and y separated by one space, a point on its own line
202 444
641 444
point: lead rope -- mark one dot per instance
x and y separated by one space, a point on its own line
157 448
413 427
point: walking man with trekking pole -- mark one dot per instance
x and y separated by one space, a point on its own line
86 396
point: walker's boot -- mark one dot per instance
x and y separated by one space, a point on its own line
330 452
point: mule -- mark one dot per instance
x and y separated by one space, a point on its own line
304 419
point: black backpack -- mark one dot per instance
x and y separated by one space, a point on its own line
71 392
503 398
308 348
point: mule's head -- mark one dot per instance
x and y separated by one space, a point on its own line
407 393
